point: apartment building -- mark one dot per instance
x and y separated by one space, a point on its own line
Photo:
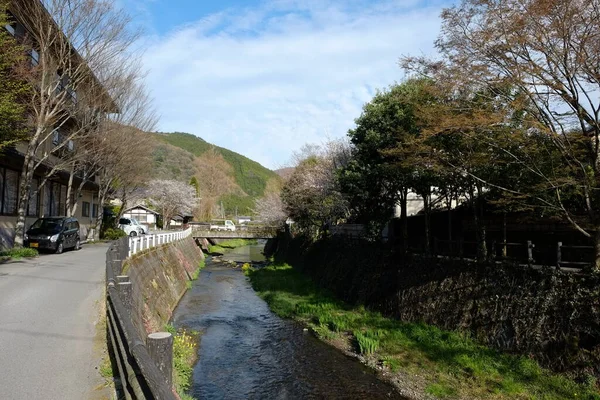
51 198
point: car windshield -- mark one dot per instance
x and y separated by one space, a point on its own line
135 221
48 225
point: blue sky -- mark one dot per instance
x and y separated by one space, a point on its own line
263 78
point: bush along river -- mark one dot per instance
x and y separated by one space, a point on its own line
247 352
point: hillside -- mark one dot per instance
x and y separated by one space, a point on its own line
227 179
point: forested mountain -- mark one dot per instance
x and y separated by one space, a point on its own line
228 181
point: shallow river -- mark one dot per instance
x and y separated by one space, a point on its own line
247 352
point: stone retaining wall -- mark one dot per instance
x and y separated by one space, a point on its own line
548 314
159 278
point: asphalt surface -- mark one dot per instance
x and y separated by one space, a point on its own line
50 347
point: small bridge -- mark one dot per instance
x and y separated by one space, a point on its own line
202 231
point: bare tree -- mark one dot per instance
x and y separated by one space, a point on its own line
74 42
542 58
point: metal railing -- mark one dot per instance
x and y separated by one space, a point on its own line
141 243
137 367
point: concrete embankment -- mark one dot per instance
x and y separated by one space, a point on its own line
551 315
159 277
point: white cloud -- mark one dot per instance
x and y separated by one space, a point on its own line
264 81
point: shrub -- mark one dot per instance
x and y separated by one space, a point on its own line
113 234
366 345
18 253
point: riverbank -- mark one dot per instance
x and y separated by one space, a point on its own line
221 247
421 360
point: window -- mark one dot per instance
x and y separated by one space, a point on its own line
85 210
95 211
62 204
34 196
35 57
11 189
55 195
56 137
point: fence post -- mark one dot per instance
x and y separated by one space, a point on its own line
493 251
558 254
116 267
160 348
126 294
530 247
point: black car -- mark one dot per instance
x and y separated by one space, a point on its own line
54 233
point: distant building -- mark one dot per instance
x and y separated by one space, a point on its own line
143 215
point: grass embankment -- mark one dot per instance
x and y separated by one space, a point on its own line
230 244
184 357
196 273
18 253
450 364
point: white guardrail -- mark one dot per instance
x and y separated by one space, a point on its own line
141 243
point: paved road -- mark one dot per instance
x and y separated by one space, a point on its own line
50 346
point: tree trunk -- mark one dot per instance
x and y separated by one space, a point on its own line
504 250
23 197
479 227
597 248
426 206
68 202
404 219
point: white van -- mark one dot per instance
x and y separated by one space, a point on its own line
132 227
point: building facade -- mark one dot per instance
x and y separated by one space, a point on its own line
48 194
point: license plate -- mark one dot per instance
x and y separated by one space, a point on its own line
34 245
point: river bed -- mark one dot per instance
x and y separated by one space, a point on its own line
247 352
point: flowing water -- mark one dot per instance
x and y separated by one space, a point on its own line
247 352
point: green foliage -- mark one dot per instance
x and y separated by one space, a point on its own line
216 249
452 363
169 162
113 234
234 243
196 273
18 253
249 175
106 370
196 185
244 205
375 178
247 268
367 345
184 357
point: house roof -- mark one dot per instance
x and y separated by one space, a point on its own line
141 206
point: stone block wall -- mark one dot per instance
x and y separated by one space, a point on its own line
159 278
551 315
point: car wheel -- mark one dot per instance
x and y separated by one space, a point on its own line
77 245
133 233
59 248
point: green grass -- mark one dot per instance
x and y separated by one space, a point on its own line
234 243
106 368
230 244
19 253
216 250
452 364
184 357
